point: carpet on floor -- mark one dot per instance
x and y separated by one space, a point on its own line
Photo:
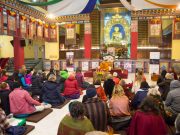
61 106
39 115
29 128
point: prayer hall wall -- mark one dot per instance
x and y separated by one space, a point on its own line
6 49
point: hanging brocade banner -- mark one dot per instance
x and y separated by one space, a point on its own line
70 34
46 32
23 26
53 33
1 21
176 34
155 31
12 20
32 28
40 30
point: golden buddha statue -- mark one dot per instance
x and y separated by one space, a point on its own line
116 35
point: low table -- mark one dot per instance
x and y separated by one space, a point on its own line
123 74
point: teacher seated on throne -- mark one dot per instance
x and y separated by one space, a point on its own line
116 35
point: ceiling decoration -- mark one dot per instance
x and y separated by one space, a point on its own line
154 4
161 5
72 7
39 3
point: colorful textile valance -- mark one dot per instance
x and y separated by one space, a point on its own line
70 7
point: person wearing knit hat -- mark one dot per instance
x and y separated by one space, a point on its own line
96 109
91 92
115 78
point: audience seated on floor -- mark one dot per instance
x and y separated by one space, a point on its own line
22 103
127 89
96 110
177 125
164 86
100 91
139 77
80 79
71 89
10 82
119 103
148 120
28 76
156 95
109 86
173 101
51 93
75 123
22 81
4 97
115 78
64 74
50 72
36 85
140 94
161 78
4 76
3 122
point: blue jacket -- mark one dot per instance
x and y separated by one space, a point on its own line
138 98
51 93
22 81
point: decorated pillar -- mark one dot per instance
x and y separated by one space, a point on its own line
87 40
134 39
18 52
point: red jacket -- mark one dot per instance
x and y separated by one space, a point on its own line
71 86
147 124
3 78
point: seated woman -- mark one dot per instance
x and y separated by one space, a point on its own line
3 122
100 91
4 97
80 79
119 103
22 81
140 94
22 103
4 76
36 84
76 123
71 89
148 120
109 86
51 93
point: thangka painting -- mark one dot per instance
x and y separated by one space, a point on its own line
11 23
69 59
95 64
117 29
164 66
176 28
155 28
85 66
128 66
53 33
70 34
23 26
56 65
155 31
1 20
40 30
46 32
32 28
